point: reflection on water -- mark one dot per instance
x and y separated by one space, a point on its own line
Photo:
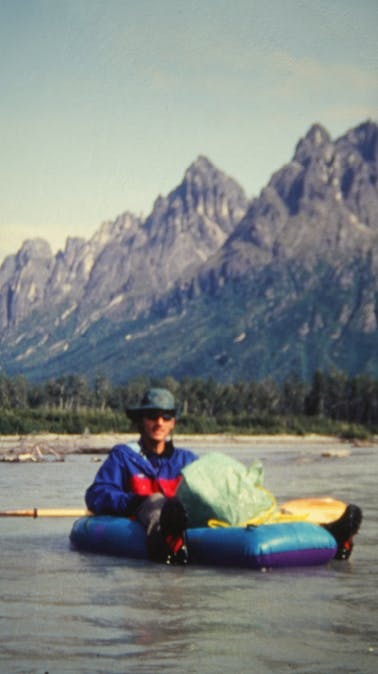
64 611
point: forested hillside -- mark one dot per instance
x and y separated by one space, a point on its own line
331 403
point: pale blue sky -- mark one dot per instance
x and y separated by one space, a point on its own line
105 103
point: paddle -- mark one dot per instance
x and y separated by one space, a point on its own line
46 512
316 510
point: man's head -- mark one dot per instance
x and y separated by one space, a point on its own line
155 417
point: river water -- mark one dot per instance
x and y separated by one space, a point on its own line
67 612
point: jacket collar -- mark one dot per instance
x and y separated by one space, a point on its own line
168 451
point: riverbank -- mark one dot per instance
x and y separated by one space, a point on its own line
102 443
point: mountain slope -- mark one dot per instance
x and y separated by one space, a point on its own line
302 265
47 302
208 287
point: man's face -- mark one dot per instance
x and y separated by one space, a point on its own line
157 426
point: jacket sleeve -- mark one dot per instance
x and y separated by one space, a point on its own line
107 495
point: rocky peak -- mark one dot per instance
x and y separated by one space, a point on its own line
33 250
203 178
194 220
113 229
201 165
357 154
73 244
323 204
313 175
364 139
22 291
205 197
143 259
316 138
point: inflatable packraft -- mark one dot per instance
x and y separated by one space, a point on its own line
255 547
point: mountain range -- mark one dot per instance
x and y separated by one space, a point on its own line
212 283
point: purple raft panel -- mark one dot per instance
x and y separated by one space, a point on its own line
269 545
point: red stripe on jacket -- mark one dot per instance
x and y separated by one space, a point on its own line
145 486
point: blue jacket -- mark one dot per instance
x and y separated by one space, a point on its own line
129 473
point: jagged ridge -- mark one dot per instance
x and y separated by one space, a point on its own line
216 288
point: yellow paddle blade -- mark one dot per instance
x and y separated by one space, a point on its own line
316 510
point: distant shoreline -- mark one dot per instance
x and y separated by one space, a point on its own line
102 443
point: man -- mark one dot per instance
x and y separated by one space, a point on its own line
140 479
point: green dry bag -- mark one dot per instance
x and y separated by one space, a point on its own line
221 488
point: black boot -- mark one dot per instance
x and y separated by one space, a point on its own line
178 552
173 522
344 529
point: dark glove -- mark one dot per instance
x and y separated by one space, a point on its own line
136 501
173 518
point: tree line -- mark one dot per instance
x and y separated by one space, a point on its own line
72 404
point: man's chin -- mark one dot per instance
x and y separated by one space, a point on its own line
158 437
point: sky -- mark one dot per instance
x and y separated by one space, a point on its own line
106 103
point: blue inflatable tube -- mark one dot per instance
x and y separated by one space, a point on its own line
265 546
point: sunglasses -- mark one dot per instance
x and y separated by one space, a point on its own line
156 414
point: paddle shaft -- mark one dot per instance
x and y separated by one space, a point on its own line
45 512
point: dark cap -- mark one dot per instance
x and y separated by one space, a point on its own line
153 399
